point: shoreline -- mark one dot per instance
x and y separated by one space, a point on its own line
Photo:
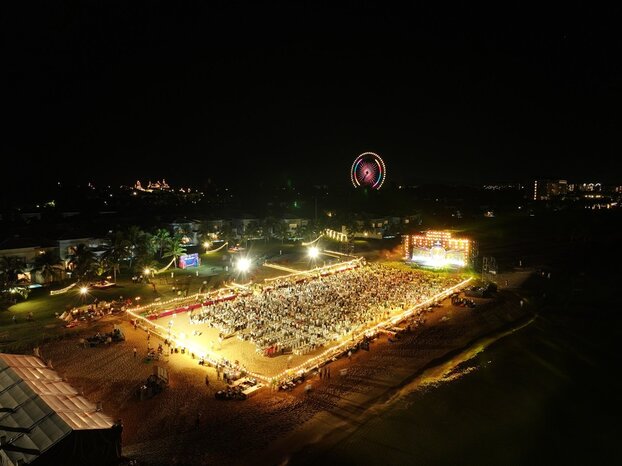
313 436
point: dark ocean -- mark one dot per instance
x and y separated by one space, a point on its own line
548 392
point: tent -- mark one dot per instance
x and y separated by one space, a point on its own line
44 421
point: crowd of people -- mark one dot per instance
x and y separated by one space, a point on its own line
302 315
93 311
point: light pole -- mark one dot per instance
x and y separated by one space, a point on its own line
243 265
313 252
83 292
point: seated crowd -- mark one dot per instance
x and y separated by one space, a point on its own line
302 315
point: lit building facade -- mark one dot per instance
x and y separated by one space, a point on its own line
543 190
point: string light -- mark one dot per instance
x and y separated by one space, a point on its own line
62 290
336 235
338 267
306 366
314 241
217 249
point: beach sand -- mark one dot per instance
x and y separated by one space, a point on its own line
268 427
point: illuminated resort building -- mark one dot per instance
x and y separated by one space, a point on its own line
438 249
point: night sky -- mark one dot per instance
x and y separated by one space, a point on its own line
236 91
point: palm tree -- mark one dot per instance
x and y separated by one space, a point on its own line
351 224
11 267
174 248
44 265
318 226
226 233
306 232
138 241
116 254
281 231
252 230
7 298
134 235
99 267
160 239
268 226
83 262
146 263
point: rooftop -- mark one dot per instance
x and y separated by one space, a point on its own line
38 409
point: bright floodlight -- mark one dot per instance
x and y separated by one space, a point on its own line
243 264
314 252
206 244
147 271
84 290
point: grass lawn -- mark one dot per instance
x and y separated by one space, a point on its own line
24 334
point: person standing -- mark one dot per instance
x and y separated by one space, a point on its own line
134 352
206 380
